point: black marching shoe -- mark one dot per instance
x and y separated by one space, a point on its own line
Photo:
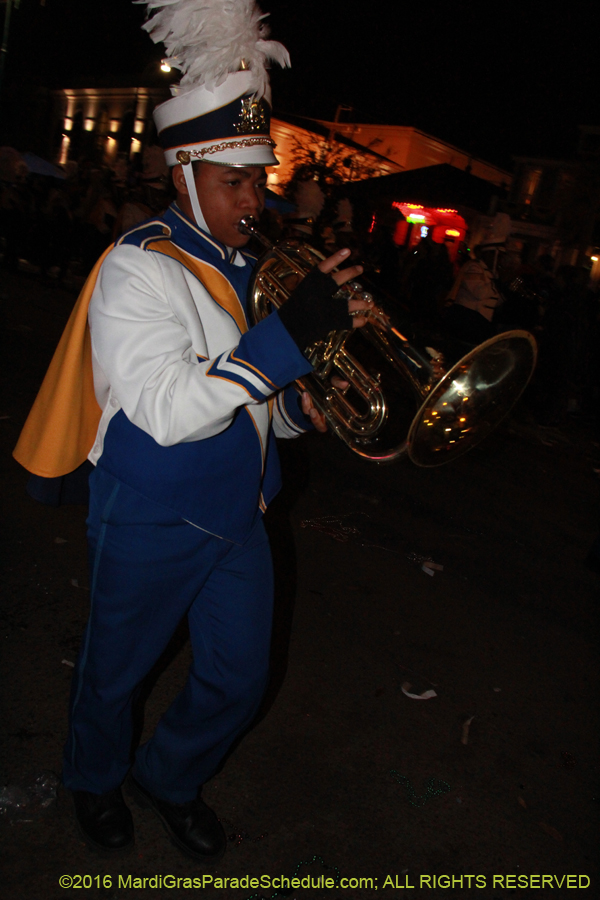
192 826
104 819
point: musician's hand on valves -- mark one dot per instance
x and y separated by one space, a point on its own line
342 277
317 307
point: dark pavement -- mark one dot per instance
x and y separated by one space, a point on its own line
343 774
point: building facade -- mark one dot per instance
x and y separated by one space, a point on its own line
411 148
558 202
103 123
119 120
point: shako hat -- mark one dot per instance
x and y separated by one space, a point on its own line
227 125
220 111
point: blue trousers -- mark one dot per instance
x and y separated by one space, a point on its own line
149 569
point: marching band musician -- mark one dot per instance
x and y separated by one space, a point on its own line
188 400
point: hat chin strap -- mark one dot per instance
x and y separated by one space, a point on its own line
188 173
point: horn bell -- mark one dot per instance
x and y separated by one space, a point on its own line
395 404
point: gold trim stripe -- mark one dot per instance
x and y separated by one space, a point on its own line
219 288
247 365
184 156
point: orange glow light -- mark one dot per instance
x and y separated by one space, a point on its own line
452 232
397 205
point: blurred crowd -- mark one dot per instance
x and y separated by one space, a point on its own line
58 224
496 285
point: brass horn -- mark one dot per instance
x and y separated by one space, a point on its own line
376 415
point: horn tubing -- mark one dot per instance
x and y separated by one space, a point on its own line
453 411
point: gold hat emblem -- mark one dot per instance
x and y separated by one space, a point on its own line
253 116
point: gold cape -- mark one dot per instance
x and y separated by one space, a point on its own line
62 425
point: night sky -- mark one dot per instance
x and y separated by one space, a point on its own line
503 79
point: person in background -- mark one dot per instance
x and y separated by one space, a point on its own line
474 299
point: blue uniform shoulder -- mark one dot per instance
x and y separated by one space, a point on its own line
144 233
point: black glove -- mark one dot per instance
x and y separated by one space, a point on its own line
313 310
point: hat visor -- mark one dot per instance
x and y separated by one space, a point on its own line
247 151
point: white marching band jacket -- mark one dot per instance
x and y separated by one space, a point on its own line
190 397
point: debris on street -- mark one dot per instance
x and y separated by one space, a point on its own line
415 693
434 787
464 739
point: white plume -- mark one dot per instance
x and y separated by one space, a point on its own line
207 39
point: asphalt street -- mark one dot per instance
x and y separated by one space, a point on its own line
425 732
